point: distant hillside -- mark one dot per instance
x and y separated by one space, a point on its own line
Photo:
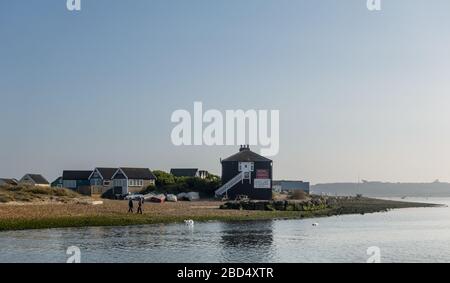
379 189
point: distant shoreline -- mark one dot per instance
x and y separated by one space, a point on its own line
384 189
114 213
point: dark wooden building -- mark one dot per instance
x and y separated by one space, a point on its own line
246 173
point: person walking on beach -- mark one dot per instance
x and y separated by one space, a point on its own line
139 210
130 206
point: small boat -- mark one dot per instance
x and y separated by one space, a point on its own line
182 196
148 197
315 224
158 199
171 198
193 196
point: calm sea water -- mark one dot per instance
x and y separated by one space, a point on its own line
405 235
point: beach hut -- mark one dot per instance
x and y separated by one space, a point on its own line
77 180
8 182
34 180
132 180
246 173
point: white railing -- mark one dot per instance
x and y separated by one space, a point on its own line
238 178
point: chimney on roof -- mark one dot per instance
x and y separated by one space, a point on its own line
244 147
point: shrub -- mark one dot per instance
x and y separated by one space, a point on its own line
29 193
163 178
64 193
5 197
38 190
299 195
167 183
149 189
109 194
11 188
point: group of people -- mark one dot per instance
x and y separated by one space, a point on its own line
131 205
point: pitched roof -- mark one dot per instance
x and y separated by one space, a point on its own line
12 182
76 175
246 155
138 173
38 179
107 173
184 172
57 180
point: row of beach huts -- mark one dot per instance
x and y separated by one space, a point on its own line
245 173
124 180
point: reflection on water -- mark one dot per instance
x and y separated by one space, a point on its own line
406 235
257 236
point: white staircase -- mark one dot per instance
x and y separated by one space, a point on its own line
238 178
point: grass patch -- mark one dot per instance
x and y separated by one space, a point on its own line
30 193
98 221
114 213
5 197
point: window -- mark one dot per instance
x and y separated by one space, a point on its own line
120 183
136 183
71 184
246 166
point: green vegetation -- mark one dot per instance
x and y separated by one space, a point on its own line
57 208
313 204
113 213
363 205
126 220
333 205
299 195
168 183
30 193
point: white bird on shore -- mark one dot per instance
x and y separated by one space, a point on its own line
189 222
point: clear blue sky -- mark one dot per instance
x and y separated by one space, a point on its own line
360 93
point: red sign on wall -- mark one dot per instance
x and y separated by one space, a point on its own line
262 174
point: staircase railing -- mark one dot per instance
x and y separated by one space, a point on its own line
238 178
